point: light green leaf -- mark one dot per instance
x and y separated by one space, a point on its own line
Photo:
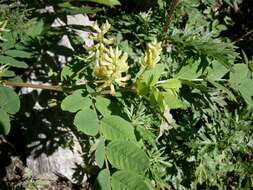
103 181
100 152
4 122
68 73
216 71
18 53
239 73
9 100
246 90
86 121
102 105
7 73
156 98
76 101
172 100
12 62
189 72
116 128
171 84
125 180
240 81
151 76
110 3
126 155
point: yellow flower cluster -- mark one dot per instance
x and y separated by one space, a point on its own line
152 54
110 64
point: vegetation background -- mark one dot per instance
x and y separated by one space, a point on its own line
144 95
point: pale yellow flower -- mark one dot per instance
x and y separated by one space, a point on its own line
101 31
152 54
113 69
110 64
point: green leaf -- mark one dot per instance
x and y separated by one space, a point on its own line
216 71
86 121
189 72
110 3
246 90
100 152
125 180
76 101
240 80
34 27
18 53
102 105
68 9
10 41
68 73
152 76
156 98
224 89
171 84
126 155
146 135
172 100
12 62
4 122
103 181
9 100
7 73
116 128
238 74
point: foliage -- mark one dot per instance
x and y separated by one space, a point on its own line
162 109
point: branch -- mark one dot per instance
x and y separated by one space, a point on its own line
243 36
36 86
171 11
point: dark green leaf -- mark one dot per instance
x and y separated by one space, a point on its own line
9 100
126 155
115 128
18 53
12 62
110 3
76 101
100 152
102 105
125 180
34 27
103 181
4 122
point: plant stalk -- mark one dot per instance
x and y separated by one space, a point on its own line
171 10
